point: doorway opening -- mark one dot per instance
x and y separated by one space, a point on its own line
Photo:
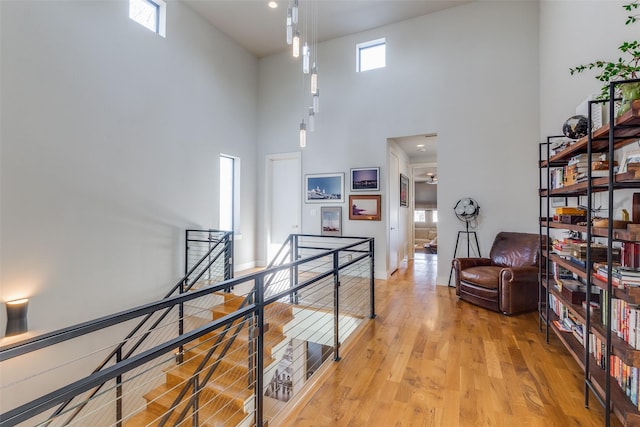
423 161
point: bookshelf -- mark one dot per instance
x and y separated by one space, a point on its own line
603 340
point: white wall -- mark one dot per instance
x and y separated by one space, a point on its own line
469 73
426 195
110 143
574 33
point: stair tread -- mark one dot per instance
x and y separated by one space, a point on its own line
212 411
235 379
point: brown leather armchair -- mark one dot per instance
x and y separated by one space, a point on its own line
507 281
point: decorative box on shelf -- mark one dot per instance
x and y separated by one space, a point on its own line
598 252
572 219
570 210
576 292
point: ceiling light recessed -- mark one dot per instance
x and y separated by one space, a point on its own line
420 145
273 4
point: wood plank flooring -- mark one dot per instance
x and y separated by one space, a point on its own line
431 360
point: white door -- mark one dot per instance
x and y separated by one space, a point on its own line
283 199
394 207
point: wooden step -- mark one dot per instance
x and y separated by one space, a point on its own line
213 411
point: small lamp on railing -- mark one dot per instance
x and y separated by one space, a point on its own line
16 317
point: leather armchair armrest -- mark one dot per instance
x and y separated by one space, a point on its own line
517 275
518 289
464 263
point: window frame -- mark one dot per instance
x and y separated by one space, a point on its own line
360 47
235 194
160 16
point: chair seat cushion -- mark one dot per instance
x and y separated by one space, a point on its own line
485 276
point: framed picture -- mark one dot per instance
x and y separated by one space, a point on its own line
365 179
331 221
364 207
323 188
629 158
404 190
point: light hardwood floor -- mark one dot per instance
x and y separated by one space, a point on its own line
431 360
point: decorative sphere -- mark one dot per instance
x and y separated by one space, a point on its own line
575 127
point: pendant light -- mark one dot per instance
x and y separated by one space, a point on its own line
303 134
314 79
316 101
294 12
296 45
305 58
312 120
289 27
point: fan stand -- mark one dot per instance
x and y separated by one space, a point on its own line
455 251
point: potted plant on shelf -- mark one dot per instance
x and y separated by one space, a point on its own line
625 68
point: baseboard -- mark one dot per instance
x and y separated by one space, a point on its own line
245 266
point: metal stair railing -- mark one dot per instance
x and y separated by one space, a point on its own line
252 308
217 250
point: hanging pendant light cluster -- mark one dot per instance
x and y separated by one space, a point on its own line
309 53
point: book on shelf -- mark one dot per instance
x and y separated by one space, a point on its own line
630 254
561 327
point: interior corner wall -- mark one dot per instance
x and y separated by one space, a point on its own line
469 74
111 137
573 33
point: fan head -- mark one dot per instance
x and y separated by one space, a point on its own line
466 209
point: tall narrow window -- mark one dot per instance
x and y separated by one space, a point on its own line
229 193
150 14
371 55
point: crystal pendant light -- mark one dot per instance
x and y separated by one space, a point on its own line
305 58
289 28
314 79
294 12
296 45
312 120
303 134
316 101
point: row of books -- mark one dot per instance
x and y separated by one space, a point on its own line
621 277
625 321
626 376
578 167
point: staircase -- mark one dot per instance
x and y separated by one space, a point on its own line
228 398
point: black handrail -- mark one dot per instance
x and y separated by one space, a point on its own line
26 411
198 385
118 350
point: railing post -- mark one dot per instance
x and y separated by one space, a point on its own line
372 294
293 278
251 349
228 258
182 290
196 401
336 306
119 392
259 390
229 261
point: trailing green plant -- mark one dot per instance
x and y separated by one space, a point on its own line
627 65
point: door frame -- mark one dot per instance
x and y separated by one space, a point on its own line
268 196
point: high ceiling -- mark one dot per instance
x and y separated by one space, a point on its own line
261 30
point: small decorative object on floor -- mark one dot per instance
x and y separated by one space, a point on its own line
575 127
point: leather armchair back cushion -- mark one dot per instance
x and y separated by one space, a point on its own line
515 249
